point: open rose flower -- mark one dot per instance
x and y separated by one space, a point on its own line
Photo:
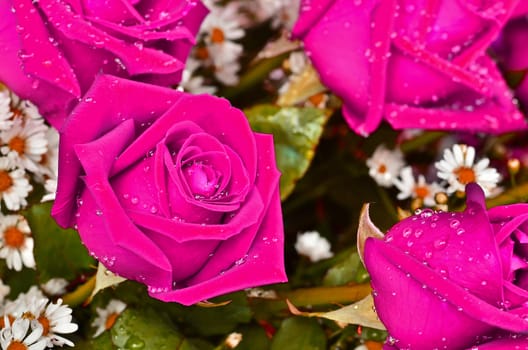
172 190
453 280
52 49
417 64
512 51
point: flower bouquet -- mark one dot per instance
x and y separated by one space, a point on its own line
263 174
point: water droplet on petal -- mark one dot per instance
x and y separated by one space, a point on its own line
440 244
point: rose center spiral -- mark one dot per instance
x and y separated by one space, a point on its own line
202 179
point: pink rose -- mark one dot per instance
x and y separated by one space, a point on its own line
512 50
453 280
172 190
52 49
418 64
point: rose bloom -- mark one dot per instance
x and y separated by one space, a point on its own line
512 51
418 64
453 280
172 190
51 50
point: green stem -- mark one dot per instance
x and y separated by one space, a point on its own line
387 203
81 294
327 295
518 194
256 74
421 140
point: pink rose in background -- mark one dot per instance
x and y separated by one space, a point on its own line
453 280
172 190
512 51
52 49
416 63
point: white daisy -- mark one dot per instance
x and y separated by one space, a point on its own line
16 244
25 143
458 168
295 64
384 165
50 185
55 286
24 300
192 83
219 31
286 15
410 188
313 245
49 162
15 336
14 186
24 109
5 111
107 317
227 73
53 318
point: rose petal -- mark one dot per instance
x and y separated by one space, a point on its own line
517 342
119 11
53 102
237 246
115 240
458 246
459 327
186 258
136 60
41 58
109 101
182 231
413 309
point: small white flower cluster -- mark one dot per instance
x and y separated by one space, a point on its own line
456 169
28 151
312 245
32 321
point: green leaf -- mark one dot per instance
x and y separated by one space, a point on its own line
343 272
58 252
218 320
298 333
296 133
253 338
147 329
102 342
19 281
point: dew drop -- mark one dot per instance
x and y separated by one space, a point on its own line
440 244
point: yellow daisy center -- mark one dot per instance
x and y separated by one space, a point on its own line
17 144
5 181
465 175
13 237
